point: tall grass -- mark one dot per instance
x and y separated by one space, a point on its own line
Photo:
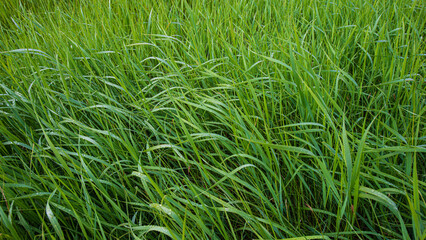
127 119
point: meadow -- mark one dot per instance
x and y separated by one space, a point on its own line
202 119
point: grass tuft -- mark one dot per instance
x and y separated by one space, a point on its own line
128 119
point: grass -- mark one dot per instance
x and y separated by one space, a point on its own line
127 119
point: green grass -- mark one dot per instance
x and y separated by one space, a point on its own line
128 119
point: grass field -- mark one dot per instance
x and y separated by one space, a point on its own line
202 119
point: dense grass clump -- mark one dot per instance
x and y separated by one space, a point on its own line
127 119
